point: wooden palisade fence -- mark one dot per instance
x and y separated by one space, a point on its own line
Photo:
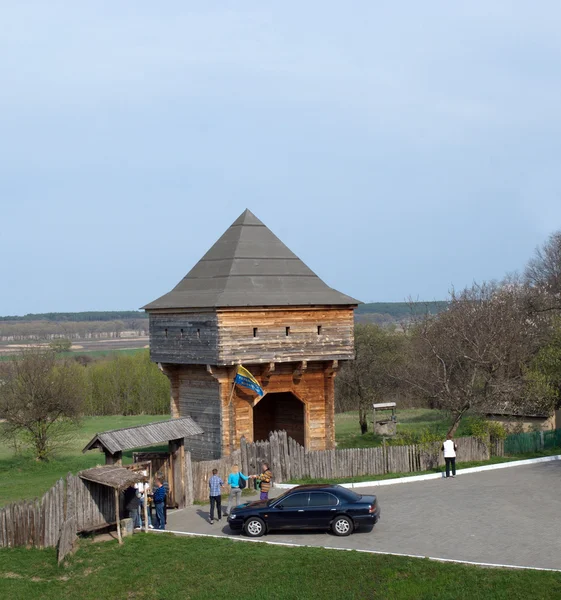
289 460
70 506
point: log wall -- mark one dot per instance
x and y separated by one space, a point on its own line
273 343
228 337
184 338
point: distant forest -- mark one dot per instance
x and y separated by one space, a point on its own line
391 311
401 310
80 317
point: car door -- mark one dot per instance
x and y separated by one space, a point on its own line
290 512
322 506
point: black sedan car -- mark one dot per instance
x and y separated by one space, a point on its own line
307 507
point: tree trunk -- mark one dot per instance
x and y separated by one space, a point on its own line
363 421
456 422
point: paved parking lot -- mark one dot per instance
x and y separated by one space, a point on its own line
507 516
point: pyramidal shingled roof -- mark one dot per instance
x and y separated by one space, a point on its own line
249 266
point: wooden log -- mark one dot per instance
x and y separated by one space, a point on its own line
118 516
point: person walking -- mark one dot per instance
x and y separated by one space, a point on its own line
236 481
264 480
449 448
215 484
159 496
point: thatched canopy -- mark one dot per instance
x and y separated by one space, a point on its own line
112 476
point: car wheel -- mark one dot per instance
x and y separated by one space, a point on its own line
254 527
342 525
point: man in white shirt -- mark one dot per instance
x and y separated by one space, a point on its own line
449 448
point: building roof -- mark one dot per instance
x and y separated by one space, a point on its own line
127 438
112 476
250 266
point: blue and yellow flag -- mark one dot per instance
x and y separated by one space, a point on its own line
247 380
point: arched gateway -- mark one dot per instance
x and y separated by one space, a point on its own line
252 301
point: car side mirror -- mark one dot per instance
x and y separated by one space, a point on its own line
279 506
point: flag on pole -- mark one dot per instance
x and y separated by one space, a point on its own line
247 380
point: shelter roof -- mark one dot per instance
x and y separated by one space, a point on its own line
250 266
112 476
127 438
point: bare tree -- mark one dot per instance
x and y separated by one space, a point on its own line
474 356
543 275
367 379
40 398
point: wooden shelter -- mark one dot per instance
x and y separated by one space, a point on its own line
119 478
252 301
173 463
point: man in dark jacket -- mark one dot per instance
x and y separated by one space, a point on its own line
132 503
159 496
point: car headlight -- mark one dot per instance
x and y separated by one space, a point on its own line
233 516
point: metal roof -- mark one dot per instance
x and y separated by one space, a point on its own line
127 438
112 476
250 266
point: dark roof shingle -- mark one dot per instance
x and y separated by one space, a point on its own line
250 266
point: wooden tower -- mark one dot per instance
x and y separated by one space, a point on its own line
252 301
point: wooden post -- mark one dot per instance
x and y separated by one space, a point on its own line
113 459
145 504
118 516
232 417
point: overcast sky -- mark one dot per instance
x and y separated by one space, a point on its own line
399 149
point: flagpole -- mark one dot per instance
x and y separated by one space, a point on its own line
231 414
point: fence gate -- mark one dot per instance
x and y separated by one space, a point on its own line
161 463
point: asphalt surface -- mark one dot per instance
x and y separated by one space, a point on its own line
507 516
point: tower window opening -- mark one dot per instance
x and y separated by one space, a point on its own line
166 331
287 331
255 332
319 329
181 336
198 334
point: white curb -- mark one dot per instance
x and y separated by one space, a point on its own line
292 545
413 478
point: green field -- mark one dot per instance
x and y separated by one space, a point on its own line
23 477
412 420
162 567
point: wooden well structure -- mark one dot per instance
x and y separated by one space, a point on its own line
252 301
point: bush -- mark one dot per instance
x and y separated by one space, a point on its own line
60 345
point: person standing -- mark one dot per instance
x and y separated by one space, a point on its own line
165 483
264 480
159 496
236 481
215 484
132 503
143 488
449 448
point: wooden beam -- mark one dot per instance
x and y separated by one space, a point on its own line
269 369
332 368
300 369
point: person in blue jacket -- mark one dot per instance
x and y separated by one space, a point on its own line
235 496
159 498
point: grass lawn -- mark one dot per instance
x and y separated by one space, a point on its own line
459 466
411 420
23 477
164 567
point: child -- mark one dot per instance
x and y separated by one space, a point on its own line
235 496
215 484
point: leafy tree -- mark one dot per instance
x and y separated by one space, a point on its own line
367 379
41 399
